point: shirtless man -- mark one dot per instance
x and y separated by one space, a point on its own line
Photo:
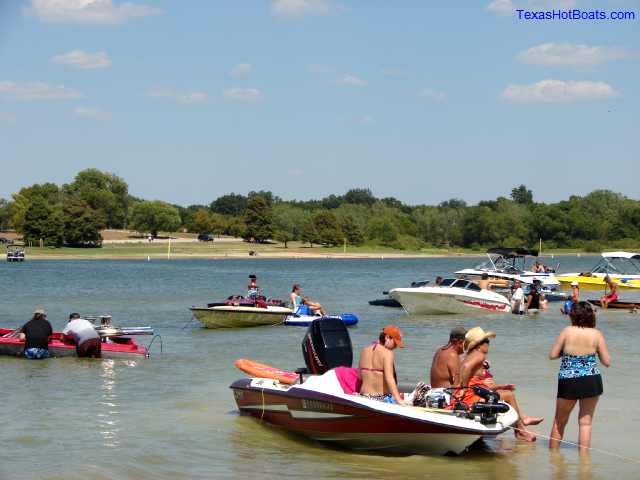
445 367
474 371
487 283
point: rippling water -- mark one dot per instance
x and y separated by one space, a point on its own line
173 417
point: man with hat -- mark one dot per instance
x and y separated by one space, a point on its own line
83 334
36 333
445 367
475 371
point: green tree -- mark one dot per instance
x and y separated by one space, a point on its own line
231 204
153 216
360 196
258 219
328 228
43 221
104 192
309 233
5 213
352 230
202 221
48 192
522 195
82 224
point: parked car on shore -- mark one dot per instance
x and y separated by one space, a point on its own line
205 237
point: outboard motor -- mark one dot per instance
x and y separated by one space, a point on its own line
490 408
326 345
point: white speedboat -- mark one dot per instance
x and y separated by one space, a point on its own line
510 264
452 295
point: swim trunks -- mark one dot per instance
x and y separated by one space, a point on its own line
36 353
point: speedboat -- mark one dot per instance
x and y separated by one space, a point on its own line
510 264
116 342
623 267
390 302
238 311
318 407
452 295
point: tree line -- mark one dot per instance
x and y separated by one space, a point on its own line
74 214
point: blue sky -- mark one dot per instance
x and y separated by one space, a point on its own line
420 100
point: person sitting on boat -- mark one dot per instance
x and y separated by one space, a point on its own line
605 300
377 367
445 367
517 299
487 283
572 300
302 305
83 334
538 268
253 291
475 371
36 334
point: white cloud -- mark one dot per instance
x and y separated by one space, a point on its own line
394 72
367 120
241 70
180 97
93 113
501 7
568 54
36 91
8 118
89 11
242 94
558 91
83 60
320 68
298 8
508 7
352 80
433 94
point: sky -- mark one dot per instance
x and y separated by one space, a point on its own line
419 100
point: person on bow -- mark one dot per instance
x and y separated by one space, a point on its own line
83 335
36 334
377 367
303 305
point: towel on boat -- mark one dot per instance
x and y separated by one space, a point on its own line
349 379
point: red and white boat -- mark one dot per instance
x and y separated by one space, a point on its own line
117 343
452 295
320 409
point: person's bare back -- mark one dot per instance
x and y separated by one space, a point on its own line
445 368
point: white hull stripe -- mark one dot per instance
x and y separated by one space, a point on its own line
304 414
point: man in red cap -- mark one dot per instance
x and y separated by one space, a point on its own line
377 367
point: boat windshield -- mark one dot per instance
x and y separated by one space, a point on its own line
499 263
446 282
466 284
618 265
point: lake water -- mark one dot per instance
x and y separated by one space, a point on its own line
173 416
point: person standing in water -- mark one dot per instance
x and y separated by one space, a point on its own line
83 334
573 298
579 379
36 334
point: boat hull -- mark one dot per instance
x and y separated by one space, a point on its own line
359 424
239 317
617 305
128 349
436 302
596 280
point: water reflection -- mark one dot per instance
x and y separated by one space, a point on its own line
108 414
563 470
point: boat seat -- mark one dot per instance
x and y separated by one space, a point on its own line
326 383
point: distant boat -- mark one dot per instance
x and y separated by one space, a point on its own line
239 312
15 252
509 264
623 267
452 295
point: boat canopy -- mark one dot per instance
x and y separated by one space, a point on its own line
514 252
628 255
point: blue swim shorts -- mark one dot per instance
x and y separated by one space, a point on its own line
36 353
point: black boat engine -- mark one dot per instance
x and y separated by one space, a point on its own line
326 345
490 408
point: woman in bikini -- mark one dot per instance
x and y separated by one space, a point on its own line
377 368
475 371
579 377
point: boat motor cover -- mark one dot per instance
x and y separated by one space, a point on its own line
327 345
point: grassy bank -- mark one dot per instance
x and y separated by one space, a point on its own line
240 249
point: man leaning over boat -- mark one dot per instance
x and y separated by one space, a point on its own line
83 334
